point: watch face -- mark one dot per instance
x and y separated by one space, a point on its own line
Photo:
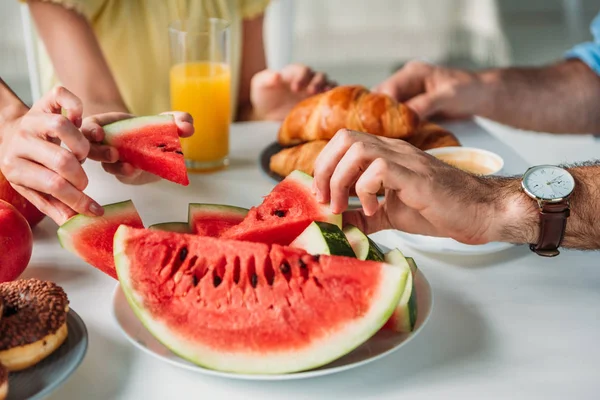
548 182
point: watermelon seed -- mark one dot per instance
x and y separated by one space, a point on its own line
284 267
302 263
183 253
279 213
161 145
217 280
317 282
254 280
179 152
316 257
194 280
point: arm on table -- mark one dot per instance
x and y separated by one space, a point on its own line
77 57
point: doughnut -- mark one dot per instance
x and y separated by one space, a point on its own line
34 322
3 382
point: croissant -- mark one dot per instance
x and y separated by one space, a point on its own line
303 156
319 117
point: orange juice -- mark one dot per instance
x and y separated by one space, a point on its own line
203 90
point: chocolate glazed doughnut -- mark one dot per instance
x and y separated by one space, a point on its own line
34 322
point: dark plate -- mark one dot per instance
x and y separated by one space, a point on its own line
49 374
265 160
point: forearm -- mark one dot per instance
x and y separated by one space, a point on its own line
560 98
94 107
11 106
517 215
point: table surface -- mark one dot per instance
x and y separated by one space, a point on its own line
510 324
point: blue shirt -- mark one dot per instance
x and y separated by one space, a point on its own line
589 52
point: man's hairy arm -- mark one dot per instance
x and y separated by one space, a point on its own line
517 215
559 98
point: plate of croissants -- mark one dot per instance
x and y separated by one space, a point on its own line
309 126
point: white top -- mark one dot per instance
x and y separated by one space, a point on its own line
508 325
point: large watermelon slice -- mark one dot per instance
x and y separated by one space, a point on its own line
284 213
151 144
91 238
214 219
249 307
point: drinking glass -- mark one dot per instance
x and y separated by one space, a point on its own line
200 83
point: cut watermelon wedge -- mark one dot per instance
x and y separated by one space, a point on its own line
249 307
284 213
404 318
151 144
91 238
213 219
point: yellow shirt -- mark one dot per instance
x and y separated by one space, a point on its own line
134 38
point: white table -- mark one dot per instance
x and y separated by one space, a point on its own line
510 325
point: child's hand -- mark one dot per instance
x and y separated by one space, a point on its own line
32 160
109 156
273 94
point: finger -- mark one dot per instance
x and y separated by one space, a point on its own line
36 177
318 83
91 127
426 104
368 225
406 83
299 76
122 169
184 122
266 79
353 163
56 210
60 98
56 159
380 174
58 127
103 153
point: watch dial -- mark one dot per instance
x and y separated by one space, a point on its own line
548 182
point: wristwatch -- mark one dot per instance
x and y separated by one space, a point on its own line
551 187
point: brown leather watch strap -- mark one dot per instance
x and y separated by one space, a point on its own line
553 222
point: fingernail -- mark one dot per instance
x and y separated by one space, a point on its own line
96 209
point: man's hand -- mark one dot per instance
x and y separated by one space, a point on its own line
433 91
423 195
273 94
32 160
109 156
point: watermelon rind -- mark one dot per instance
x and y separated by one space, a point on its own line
323 238
320 352
125 125
362 245
306 180
181 227
68 230
405 315
224 210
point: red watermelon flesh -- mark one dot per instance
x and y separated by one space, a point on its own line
214 219
151 144
284 213
91 238
250 307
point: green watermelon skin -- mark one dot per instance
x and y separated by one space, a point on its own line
150 143
252 308
213 219
91 238
181 227
284 213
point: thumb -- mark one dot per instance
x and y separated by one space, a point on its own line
426 104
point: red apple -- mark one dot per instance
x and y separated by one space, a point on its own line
16 242
29 211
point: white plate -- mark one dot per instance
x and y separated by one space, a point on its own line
445 245
380 345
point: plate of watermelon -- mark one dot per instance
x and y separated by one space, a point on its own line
279 291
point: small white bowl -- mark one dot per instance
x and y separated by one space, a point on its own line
470 158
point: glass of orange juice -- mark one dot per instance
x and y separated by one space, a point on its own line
200 80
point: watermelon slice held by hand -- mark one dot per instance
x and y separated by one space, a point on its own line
249 307
284 213
91 238
151 144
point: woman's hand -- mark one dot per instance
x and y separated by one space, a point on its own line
32 160
273 94
109 156
423 195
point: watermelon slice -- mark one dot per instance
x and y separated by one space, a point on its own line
151 144
249 307
213 219
404 318
91 238
324 238
284 213
181 227
363 246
